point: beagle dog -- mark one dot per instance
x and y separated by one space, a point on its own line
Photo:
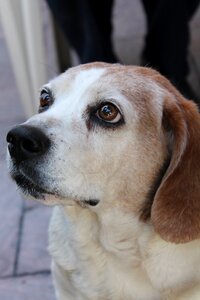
116 149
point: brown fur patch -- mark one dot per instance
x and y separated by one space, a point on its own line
176 207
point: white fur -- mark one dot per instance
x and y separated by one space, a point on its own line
105 252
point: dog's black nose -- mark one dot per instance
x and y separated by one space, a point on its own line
26 142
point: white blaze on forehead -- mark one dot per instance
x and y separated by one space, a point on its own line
83 82
75 81
69 91
86 77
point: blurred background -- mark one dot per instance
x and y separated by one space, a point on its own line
32 51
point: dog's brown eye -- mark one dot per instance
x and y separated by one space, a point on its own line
108 112
45 100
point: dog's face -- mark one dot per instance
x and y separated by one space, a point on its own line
100 136
98 140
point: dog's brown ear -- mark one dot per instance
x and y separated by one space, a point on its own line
175 212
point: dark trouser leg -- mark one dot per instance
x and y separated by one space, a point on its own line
167 38
87 25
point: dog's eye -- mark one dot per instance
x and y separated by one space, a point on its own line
45 100
108 112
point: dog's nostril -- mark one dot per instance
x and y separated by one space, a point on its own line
10 139
11 143
30 146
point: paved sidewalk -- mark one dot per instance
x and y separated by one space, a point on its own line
24 260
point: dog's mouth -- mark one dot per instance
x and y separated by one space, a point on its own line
30 188
29 182
35 189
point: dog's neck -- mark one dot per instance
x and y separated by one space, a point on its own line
134 245
118 232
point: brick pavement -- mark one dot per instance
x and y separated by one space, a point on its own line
24 261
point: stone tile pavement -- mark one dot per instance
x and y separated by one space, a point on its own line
24 260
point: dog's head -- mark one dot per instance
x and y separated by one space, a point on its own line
111 135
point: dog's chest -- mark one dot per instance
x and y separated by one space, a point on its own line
99 265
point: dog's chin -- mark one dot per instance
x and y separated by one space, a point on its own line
34 191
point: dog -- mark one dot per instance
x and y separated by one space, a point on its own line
116 149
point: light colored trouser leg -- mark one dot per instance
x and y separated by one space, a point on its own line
22 24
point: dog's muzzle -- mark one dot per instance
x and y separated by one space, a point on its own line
26 142
28 146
